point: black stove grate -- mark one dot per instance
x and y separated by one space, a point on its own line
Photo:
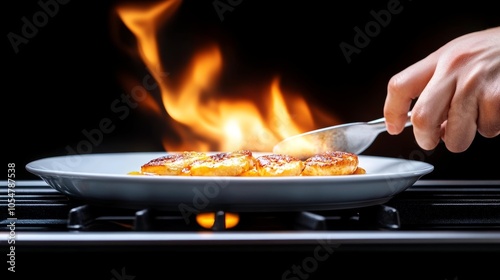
88 217
455 206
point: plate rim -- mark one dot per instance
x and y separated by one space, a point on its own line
426 168
288 193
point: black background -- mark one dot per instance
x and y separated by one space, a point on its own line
64 79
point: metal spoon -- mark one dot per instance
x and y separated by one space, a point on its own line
351 137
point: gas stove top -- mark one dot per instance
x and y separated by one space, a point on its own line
460 219
432 211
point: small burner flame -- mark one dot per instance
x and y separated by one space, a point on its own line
208 220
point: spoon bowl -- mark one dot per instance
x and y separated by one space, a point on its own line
351 137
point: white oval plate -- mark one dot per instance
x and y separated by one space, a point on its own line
103 179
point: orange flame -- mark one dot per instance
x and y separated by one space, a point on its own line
207 220
204 119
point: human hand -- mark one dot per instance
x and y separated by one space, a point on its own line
458 91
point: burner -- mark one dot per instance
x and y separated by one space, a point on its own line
90 217
428 206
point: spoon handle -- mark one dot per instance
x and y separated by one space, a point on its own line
379 124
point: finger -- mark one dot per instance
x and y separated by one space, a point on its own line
402 89
431 109
474 108
488 124
461 124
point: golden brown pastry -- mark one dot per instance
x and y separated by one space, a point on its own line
171 164
331 163
278 165
250 173
223 164
242 163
